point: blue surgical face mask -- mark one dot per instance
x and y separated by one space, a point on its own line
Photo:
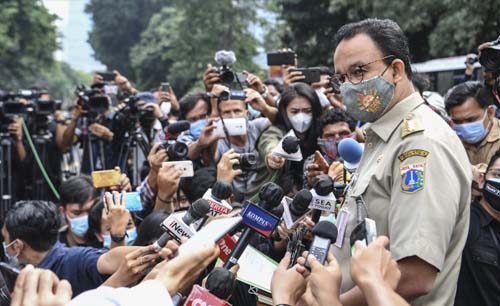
79 226
106 243
131 236
196 127
11 260
472 132
253 112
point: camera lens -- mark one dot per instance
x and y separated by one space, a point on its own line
176 151
248 161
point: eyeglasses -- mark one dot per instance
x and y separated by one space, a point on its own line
356 74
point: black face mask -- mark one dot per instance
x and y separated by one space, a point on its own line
491 193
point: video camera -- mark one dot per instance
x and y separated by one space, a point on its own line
127 117
92 100
227 76
490 57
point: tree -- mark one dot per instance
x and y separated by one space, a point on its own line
117 27
27 41
434 28
180 41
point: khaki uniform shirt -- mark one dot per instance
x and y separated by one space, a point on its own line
414 178
480 155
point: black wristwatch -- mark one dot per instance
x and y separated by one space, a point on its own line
118 238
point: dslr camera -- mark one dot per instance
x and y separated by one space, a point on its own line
224 60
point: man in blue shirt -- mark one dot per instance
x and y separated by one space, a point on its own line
30 236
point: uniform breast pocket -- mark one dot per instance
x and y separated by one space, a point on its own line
485 254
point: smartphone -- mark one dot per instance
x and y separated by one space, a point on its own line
165 86
234 126
312 75
106 178
133 201
107 76
242 77
280 58
213 231
110 89
185 166
9 274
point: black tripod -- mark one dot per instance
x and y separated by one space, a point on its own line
41 141
133 141
88 151
5 174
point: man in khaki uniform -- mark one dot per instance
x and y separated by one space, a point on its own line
414 177
470 106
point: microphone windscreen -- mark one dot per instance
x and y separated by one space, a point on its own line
221 282
325 229
199 208
270 194
350 150
300 203
178 127
225 58
290 144
222 190
323 185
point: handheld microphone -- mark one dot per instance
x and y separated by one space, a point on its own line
176 229
351 152
216 197
324 233
257 219
200 296
221 283
290 144
297 209
323 197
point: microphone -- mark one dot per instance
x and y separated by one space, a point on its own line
221 283
323 197
290 144
257 219
176 229
175 128
216 197
351 152
225 58
324 233
297 209
200 296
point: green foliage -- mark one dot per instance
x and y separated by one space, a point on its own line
118 25
27 41
60 80
434 28
180 41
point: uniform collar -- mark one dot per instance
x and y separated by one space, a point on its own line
494 133
385 126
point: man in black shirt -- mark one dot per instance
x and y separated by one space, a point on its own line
479 280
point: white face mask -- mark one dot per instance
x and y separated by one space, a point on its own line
301 122
323 100
165 108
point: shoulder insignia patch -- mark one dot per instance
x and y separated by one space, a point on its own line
411 124
412 177
412 153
